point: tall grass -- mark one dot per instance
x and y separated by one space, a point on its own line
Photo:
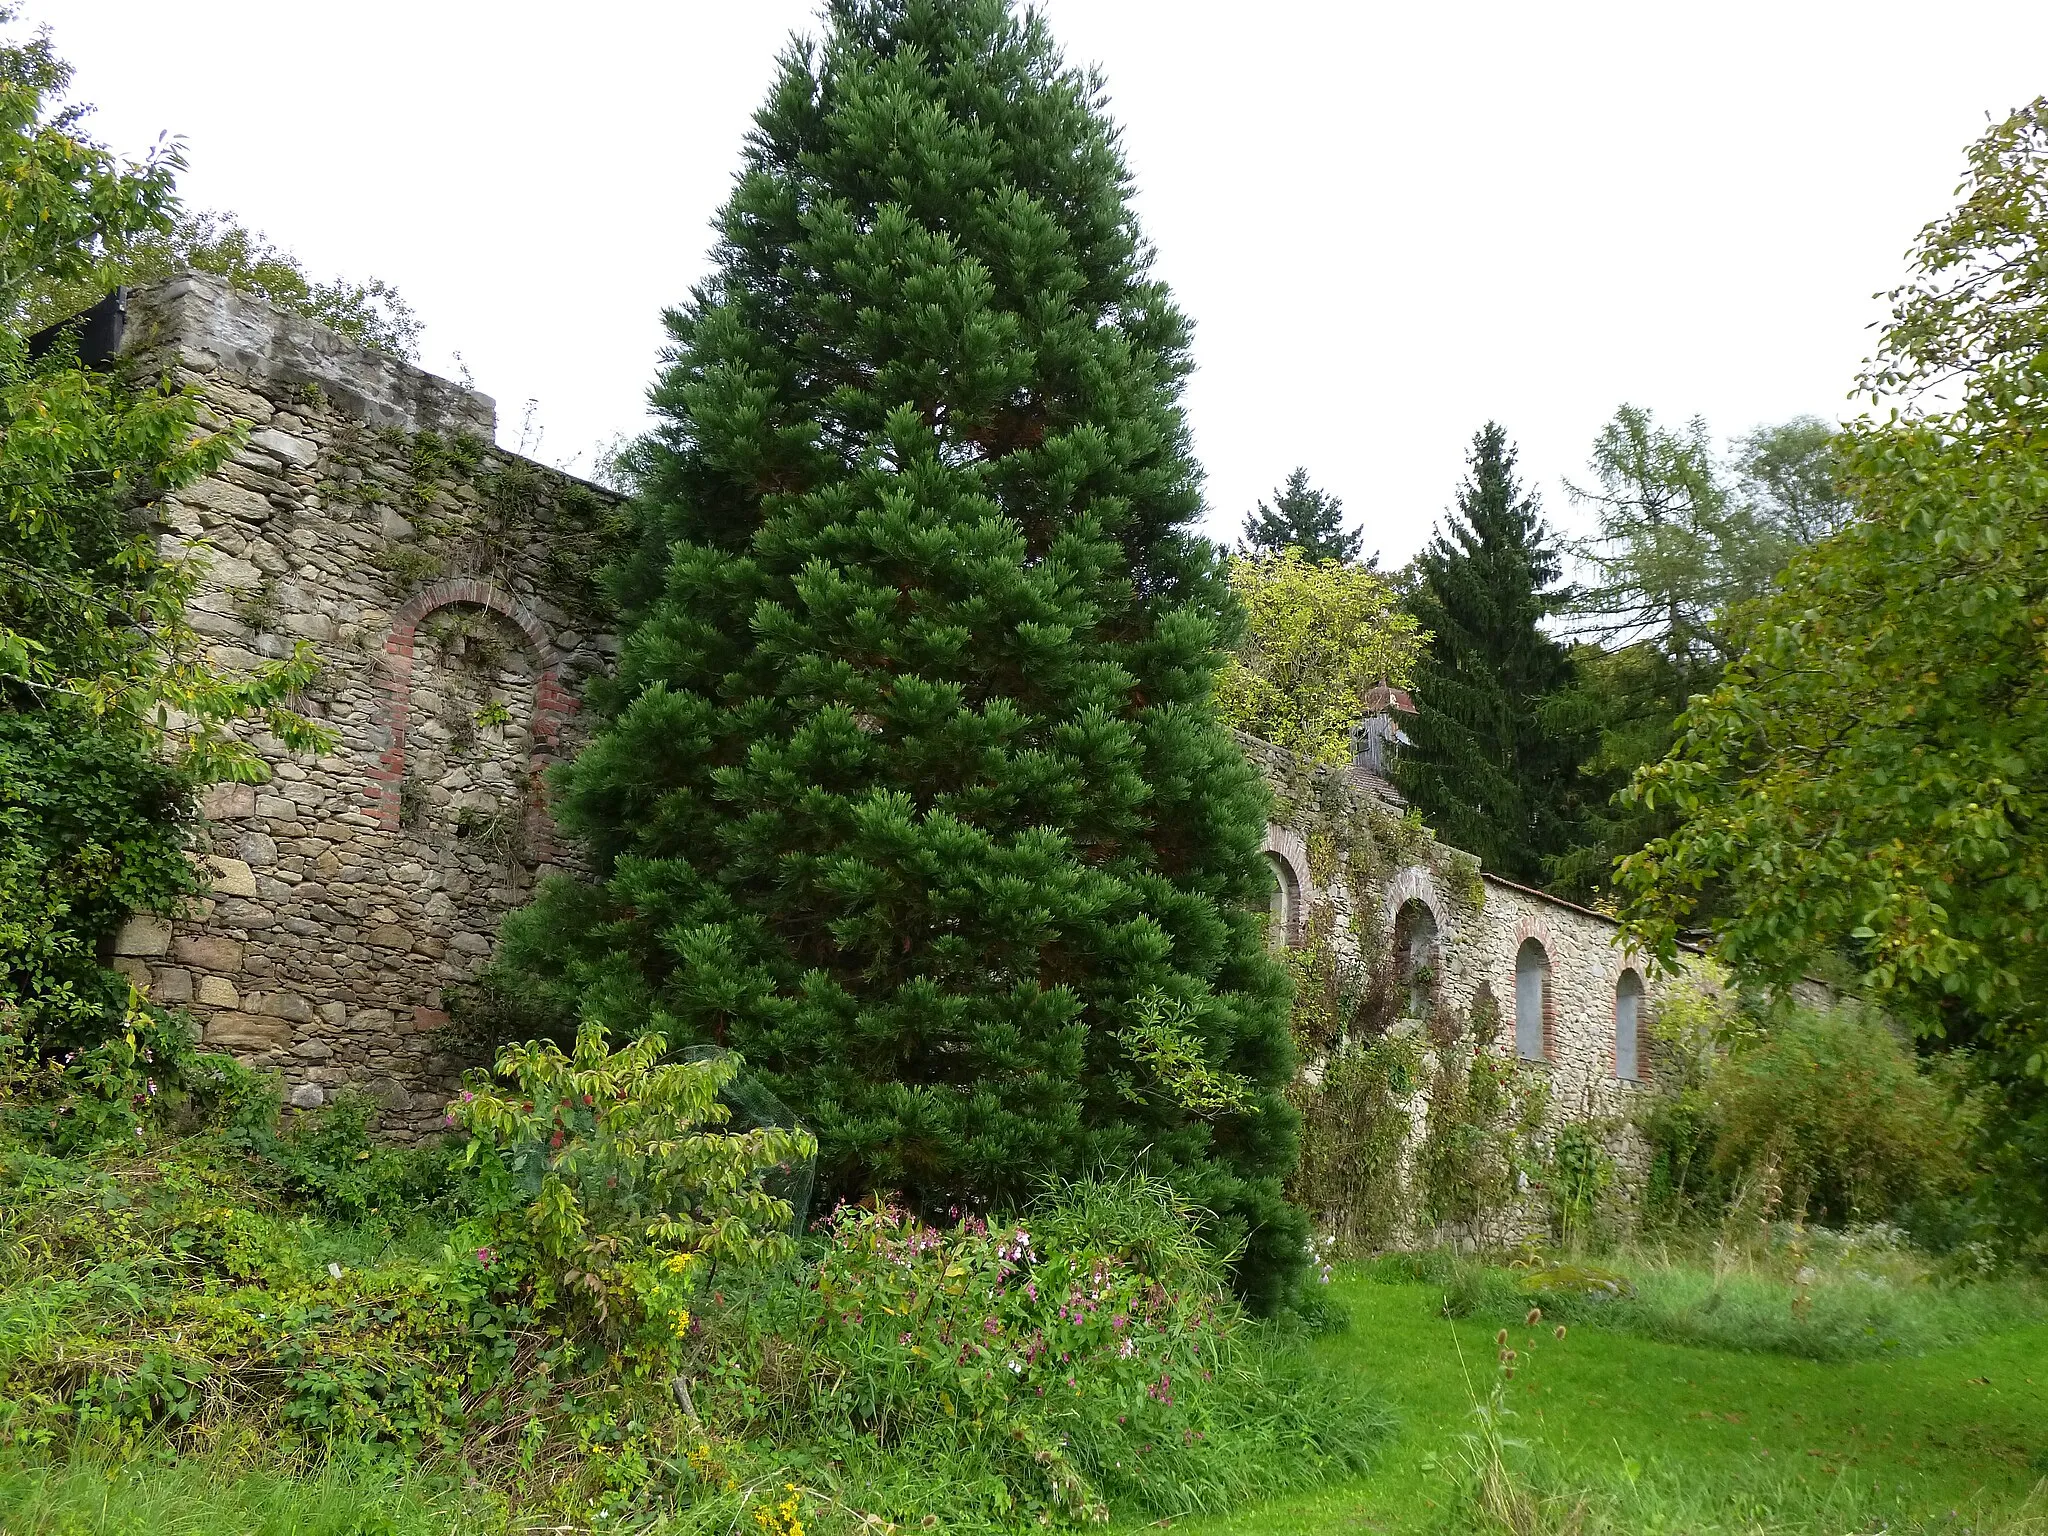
1811 1294
90 1493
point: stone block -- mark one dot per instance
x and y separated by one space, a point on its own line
428 1019
135 968
313 1050
227 500
173 985
257 849
308 1096
231 877
276 808
293 450
333 1077
281 1005
238 913
333 1015
143 934
389 1092
372 1021
227 802
246 1032
218 992
206 952
389 936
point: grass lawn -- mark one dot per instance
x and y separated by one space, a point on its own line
1614 1432
1672 1437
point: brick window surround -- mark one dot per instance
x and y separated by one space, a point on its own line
552 702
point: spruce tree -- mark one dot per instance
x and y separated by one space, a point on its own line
1304 518
910 787
1493 760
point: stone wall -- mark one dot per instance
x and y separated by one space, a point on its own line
445 586
1355 869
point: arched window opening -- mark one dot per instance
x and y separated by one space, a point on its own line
1532 989
1628 1021
1416 956
1284 906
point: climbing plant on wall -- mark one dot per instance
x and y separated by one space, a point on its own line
111 709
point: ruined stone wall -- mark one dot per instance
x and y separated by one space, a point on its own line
445 586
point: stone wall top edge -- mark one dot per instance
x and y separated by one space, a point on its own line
200 313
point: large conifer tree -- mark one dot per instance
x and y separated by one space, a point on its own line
1493 762
1304 518
910 786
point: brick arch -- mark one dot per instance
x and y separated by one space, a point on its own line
1288 851
1416 883
1536 928
552 703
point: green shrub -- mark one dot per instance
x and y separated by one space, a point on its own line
92 827
1824 1111
609 1193
1083 1360
1834 1096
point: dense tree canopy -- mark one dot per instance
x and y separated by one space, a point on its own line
1871 776
1688 540
1319 636
1490 764
911 787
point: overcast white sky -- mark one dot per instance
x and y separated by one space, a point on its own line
1389 222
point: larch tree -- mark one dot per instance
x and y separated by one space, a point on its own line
910 786
1491 762
1304 518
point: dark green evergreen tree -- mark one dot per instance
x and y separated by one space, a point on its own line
1494 756
1304 518
909 786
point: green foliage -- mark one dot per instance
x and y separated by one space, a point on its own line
371 314
910 786
110 709
1356 1122
1580 1174
1173 1058
1820 1114
1868 777
1493 766
1081 1361
1477 1144
191 1277
1807 1293
1688 542
1318 638
73 206
92 827
1305 519
611 1191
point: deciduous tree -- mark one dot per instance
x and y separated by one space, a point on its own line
1871 776
1318 637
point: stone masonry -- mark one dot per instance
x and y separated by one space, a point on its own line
445 587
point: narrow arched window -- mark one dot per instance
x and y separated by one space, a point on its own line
1628 1023
1284 906
1415 956
1532 984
